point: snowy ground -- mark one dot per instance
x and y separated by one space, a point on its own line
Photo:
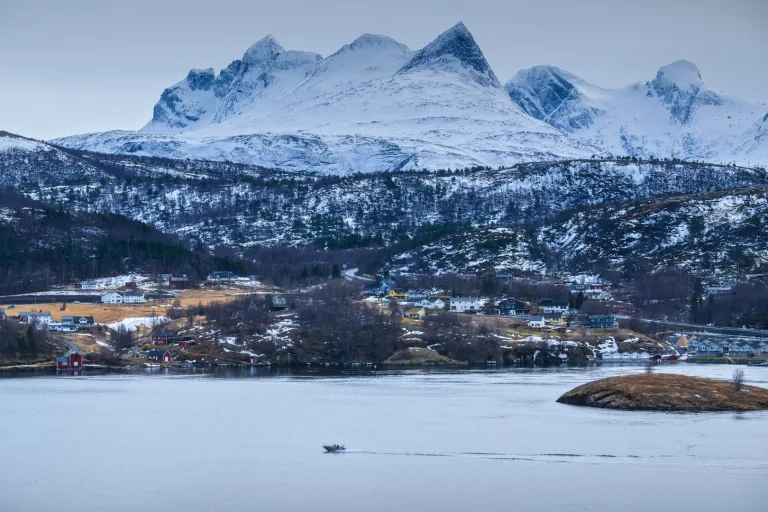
131 324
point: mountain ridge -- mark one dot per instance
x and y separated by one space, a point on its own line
375 105
674 115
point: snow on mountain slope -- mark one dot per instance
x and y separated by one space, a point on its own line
709 234
674 115
455 49
499 249
374 105
551 95
29 162
754 142
712 233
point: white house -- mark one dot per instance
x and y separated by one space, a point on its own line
537 322
464 304
61 327
89 285
112 298
431 304
415 295
718 290
744 350
555 308
597 294
36 317
134 298
78 321
416 313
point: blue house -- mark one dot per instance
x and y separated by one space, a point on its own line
513 307
602 321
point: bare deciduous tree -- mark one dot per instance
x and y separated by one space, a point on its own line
738 379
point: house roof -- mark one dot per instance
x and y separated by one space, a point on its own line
134 294
682 342
65 357
463 299
76 318
157 352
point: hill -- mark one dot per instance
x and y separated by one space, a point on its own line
41 245
628 215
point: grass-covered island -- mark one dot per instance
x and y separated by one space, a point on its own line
663 392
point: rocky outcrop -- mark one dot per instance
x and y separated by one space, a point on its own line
417 356
654 392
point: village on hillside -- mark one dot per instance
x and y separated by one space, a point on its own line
167 320
87 318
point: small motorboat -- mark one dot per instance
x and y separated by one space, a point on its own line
333 448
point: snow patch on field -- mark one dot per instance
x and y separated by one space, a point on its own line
132 324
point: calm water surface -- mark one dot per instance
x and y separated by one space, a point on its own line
417 440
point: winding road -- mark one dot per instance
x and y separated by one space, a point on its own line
68 343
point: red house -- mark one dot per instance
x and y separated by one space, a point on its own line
183 344
69 361
159 355
130 286
178 281
161 338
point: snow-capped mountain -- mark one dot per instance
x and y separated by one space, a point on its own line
373 105
674 115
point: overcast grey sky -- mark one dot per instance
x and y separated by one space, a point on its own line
78 66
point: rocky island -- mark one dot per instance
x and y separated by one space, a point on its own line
415 356
657 392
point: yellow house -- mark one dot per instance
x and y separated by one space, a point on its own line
555 319
416 313
396 294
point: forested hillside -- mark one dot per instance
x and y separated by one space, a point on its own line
41 246
623 215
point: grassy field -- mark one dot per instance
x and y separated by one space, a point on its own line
111 313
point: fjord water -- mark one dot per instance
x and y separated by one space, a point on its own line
417 440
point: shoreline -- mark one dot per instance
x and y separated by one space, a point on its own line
49 367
